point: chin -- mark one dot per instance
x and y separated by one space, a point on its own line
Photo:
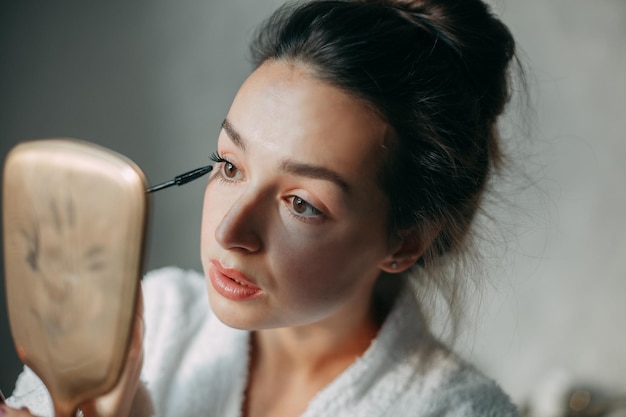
236 315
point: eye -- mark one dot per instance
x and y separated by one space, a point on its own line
303 208
228 170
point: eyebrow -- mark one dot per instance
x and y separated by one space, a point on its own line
233 135
314 171
292 167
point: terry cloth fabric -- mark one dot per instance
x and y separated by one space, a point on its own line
195 365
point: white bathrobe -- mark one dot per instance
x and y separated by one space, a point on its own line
196 366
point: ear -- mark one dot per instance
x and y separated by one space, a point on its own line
409 247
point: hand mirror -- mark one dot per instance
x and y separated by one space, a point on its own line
74 218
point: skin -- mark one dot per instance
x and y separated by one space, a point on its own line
309 265
313 244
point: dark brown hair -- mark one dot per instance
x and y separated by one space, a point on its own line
437 72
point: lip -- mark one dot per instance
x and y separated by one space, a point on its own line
232 284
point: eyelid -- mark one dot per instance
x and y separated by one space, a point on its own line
314 202
308 203
288 199
218 159
318 218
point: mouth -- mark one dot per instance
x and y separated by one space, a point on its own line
239 282
231 283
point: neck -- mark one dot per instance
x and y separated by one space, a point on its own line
311 350
303 360
324 348
337 340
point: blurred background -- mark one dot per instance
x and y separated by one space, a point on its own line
154 79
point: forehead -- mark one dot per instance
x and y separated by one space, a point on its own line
284 110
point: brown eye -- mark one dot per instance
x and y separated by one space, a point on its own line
299 205
227 170
230 171
304 208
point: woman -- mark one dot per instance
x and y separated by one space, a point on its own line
348 173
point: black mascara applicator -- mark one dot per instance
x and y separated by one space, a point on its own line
182 179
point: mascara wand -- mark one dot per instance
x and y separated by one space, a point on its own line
182 179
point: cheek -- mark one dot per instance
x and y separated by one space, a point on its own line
326 269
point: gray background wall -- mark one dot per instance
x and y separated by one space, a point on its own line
153 80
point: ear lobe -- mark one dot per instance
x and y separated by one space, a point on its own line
408 250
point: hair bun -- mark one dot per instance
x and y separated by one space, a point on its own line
482 43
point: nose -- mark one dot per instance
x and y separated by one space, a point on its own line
241 227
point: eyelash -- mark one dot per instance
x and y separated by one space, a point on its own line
215 157
218 159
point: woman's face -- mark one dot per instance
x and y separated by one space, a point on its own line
294 223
